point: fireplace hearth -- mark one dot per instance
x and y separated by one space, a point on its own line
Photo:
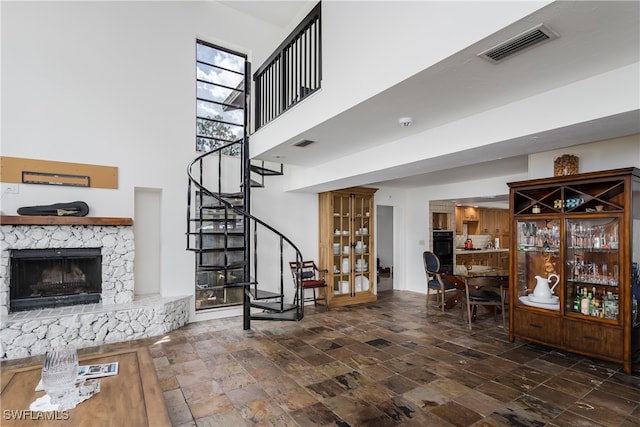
48 278
117 317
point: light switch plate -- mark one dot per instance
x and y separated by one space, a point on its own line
10 188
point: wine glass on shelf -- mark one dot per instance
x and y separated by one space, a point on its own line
523 232
533 232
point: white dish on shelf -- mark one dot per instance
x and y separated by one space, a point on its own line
553 300
526 301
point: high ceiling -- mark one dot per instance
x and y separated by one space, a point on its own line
279 13
594 38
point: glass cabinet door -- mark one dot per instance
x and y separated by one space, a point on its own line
538 262
592 267
341 244
361 244
352 251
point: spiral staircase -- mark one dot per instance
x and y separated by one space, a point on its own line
226 239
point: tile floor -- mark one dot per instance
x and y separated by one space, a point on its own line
382 364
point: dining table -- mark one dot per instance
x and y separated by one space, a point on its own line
462 272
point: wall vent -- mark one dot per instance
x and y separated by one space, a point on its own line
534 37
303 143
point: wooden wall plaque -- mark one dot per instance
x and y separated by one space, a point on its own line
14 169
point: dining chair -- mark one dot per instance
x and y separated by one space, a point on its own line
312 278
435 281
486 291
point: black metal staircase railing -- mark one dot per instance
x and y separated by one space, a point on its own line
292 72
224 236
261 169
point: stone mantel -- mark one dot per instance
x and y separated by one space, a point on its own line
64 220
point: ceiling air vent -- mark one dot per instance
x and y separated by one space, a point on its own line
533 37
303 143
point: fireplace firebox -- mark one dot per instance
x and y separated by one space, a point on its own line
45 278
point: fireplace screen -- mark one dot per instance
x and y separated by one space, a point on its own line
42 278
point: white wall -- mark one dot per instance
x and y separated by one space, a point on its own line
369 46
615 90
602 155
113 83
293 214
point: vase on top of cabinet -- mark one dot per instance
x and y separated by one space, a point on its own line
584 230
347 245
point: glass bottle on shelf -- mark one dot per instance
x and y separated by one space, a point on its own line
591 265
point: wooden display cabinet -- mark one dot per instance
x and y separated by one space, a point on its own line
347 245
583 228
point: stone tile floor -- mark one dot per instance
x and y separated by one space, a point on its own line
381 364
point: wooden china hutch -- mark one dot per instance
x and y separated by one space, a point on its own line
347 245
584 228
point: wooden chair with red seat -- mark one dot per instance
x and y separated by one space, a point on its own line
312 278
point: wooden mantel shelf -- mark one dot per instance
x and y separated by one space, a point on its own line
63 220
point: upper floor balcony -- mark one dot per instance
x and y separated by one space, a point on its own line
292 72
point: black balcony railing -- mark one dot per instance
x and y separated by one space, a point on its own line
292 72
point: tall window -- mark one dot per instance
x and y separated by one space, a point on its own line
220 97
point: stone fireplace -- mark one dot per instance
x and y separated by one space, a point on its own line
105 311
47 278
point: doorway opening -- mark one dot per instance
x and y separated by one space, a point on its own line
384 233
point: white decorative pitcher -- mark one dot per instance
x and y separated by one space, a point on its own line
542 289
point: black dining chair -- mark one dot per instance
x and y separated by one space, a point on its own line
485 291
435 281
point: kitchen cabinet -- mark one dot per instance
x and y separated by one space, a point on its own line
584 229
469 213
491 221
347 245
473 258
466 215
486 221
493 258
458 214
